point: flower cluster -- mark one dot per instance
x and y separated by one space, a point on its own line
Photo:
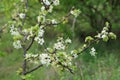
49 4
16 34
64 59
58 59
74 53
75 12
14 31
30 55
17 44
22 15
61 44
45 58
93 51
105 34
41 18
68 41
46 2
53 21
33 58
39 37
56 2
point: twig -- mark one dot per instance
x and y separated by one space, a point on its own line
24 63
73 27
69 69
34 69
88 46
30 44
25 50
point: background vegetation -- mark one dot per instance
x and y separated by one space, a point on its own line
105 66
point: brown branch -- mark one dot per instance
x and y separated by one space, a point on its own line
69 69
24 62
30 44
34 69
25 50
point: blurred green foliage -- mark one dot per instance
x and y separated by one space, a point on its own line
94 13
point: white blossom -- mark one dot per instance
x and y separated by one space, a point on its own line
44 58
46 2
103 36
93 51
25 31
54 21
75 12
41 32
39 40
60 39
41 19
42 8
17 44
56 2
103 31
68 41
50 9
31 55
28 56
14 31
39 37
64 58
74 54
33 58
70 63
22 15
59 46
99 35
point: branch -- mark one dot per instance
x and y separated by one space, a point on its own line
30 44
24 62
3 27
34 69
60 21
73 27
69 69
46 6
88 46
51 24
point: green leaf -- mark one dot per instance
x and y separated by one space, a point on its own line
88 39
105 38
19 37
112 35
